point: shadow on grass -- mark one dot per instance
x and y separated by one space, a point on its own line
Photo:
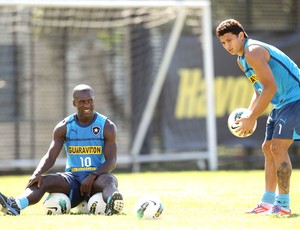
295 215
80 213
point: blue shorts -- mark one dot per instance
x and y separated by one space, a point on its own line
75 181
284 123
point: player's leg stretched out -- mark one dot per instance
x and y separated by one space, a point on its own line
13 206
9 205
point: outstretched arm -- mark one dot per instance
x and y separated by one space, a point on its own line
50 157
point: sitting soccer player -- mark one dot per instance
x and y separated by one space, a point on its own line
90 142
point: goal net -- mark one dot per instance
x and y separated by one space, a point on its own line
150 64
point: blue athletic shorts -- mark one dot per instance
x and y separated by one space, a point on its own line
284 123
75 181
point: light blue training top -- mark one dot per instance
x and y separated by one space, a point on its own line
84 144
285 71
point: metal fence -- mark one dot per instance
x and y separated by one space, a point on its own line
46 51
258 15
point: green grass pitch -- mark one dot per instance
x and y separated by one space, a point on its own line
192 200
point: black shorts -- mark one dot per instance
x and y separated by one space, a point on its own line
75 181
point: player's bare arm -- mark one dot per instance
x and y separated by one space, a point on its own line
50 157
258 58
111 146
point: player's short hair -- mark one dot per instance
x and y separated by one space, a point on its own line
230 26
81 88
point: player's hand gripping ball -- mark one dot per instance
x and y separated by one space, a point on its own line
237 114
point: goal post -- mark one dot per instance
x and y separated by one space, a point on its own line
160 32
108 4
156 89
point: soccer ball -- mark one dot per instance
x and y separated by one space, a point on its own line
148 207
82 208
96 204
236 114
57 203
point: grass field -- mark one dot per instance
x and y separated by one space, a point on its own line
192 200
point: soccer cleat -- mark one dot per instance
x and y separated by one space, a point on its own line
2 209
278 210
9 205
115 204
260 209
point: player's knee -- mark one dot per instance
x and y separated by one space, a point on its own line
107 178
277 148
266 148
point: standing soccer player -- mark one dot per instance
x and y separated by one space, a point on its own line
90 141
276 79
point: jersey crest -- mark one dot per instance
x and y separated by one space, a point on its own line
96 130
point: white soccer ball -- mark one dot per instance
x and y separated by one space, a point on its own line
96 204
236 114
148 207
57 203
82 208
